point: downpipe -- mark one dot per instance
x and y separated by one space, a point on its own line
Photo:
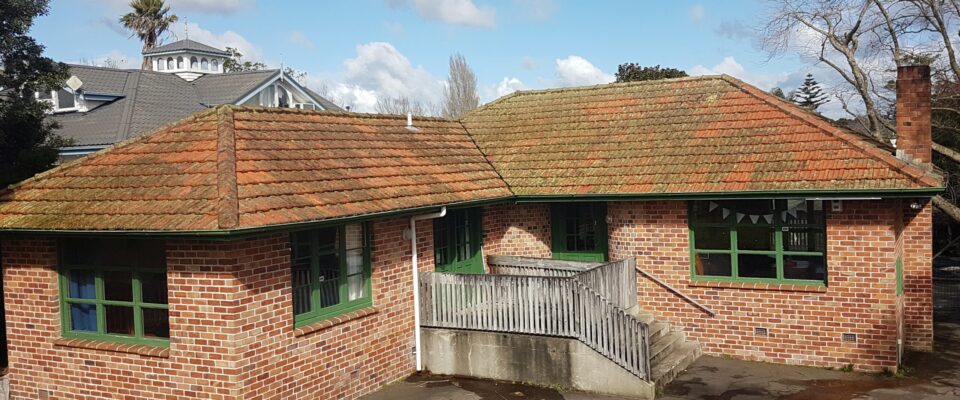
416 280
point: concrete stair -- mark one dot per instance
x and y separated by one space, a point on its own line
671 353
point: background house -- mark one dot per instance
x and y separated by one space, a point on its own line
109 105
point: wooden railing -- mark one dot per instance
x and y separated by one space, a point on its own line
510 265
575 307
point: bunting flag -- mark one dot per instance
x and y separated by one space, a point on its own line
740 216
713 206
754 218
769 218
726 212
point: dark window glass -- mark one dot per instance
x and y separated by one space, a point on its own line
65 99
803 239
83 317
118 286
153 287
804 267
156 323
82 284
757 265
712 238
711 211
119 320
755 238
713 264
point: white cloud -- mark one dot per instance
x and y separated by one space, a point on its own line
112 59
218 40
697 13
455 12
380 71
299 38
537 9
202 6
509 85
577 71
730 66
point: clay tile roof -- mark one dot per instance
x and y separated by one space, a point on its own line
235 168
689 135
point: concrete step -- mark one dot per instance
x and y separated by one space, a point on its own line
679 359
664 345
656 330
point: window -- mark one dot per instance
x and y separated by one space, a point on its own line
268 96
114 289
204 64
66 100
214 66
193 63
330 271
457 242
579 231
179 62
759 240
170 64
161 65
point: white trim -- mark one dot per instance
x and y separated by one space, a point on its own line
268 82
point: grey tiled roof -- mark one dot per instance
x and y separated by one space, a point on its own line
186 45
147 100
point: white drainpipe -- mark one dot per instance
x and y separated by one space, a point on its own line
416 280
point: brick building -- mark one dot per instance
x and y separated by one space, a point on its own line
248 253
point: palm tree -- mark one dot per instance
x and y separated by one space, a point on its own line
148 21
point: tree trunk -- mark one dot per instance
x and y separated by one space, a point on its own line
947 207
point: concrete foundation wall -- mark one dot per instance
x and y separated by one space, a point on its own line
530 359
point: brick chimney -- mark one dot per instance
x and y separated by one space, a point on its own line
914 138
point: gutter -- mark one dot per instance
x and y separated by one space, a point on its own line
416 280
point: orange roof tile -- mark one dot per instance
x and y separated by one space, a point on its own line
235 168
692 135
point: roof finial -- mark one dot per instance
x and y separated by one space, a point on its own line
186 28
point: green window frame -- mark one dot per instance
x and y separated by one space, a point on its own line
579 231
330 272
769 241
458 242
114 290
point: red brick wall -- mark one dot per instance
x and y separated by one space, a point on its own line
521 229
917 275
232 334
803 327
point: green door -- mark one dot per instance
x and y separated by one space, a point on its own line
579 231
457 239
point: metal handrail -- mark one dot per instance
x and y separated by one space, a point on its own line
677 292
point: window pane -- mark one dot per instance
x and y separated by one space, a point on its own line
757 265
65 99
802 212
118 286
119 320
153 287
81 284
803 239
301 287
804 267
156 323
713 265
327 240
758 208
755 238
712 211
440 241
712 238
83 317
329 280
355 286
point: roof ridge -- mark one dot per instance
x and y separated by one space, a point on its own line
913 172
228 206
99 153
487 158
353 114
595 87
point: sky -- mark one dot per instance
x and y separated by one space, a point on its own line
362 50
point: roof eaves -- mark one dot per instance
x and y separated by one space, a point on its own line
910 170
228 206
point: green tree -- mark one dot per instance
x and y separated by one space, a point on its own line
778 92
633 72
236 63
148 21
810 95
28 143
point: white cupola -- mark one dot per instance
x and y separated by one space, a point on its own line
187 59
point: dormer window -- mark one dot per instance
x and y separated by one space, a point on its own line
62 100
193 63
214 66
170 64
204 64
179 62
275 96
161 65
